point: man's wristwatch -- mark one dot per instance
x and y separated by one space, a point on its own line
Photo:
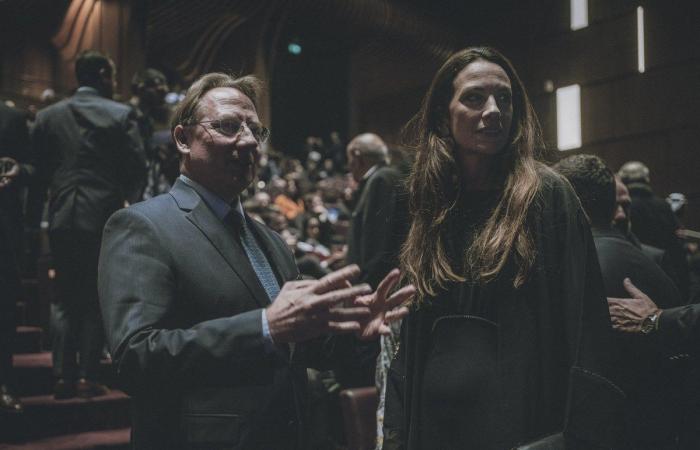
650 323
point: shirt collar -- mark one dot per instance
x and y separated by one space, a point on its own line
370 171
218 205
88 90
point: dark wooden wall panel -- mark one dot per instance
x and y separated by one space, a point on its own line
671 32
395 49
27 70
672 156
653 102
603 10
388 114
387 83
654 116
595 53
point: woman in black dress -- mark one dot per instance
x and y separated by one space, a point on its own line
509 330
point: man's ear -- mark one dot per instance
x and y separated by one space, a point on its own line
181 140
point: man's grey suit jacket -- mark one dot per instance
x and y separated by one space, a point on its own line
182 311
90 157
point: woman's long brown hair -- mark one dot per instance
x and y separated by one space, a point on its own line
434 187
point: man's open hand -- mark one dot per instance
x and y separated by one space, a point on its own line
308 308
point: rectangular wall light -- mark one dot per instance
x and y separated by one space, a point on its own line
640 40
569 117
579 14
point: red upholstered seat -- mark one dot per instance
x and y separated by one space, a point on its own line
359 408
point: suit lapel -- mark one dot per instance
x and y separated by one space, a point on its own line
199 214
359 196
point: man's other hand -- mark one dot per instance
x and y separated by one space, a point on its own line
627 314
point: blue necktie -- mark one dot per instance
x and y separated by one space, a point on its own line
257 258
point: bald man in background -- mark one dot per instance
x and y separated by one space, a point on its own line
376 231
378 228
653 221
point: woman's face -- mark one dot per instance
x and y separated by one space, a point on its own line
481 109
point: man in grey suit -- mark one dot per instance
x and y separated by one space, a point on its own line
90 158
210 330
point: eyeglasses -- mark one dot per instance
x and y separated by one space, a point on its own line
234 128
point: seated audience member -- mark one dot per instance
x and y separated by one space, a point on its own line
274 219
653 222
285 197
648 381
149 88
622 221
15 172
309 264
311 239
316 207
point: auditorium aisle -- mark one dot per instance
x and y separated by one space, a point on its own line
48 424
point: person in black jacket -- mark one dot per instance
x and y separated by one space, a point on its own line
654 223
90 158
677 330
15 170
651 386
508 339
622 221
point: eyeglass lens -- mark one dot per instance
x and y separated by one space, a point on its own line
233 127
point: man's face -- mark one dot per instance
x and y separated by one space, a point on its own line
622 211
225 164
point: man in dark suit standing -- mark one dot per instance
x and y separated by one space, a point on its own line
91 159
377 231
210 332
652 410
15 169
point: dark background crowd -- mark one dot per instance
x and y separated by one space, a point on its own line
309 202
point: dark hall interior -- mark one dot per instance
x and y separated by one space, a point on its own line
354 66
